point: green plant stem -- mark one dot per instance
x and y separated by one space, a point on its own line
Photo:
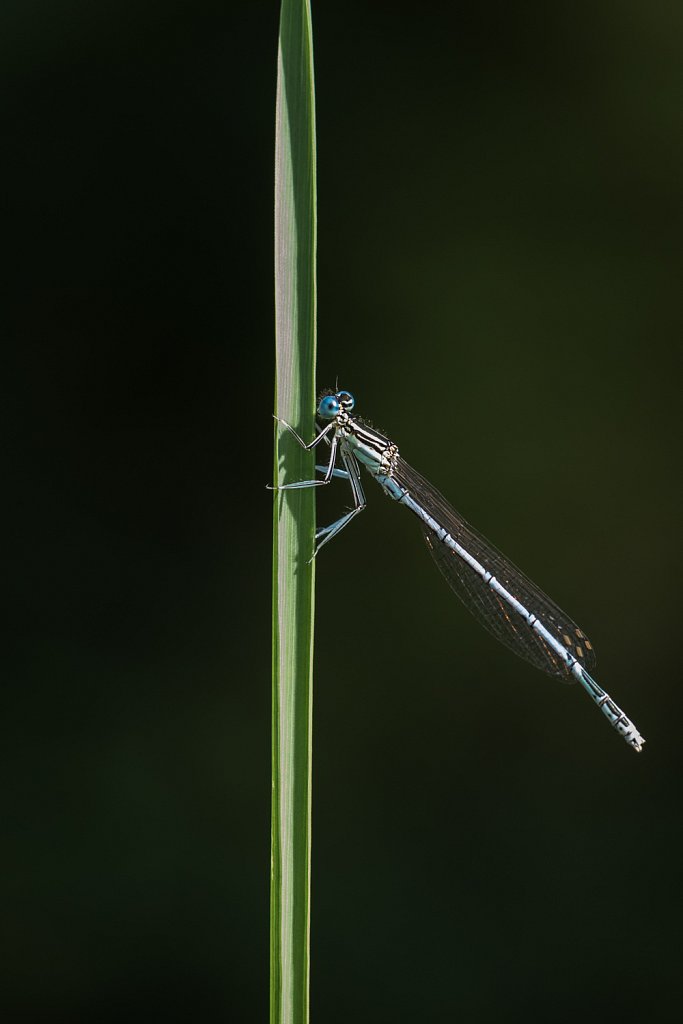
294 518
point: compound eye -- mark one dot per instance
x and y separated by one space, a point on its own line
329 407
347 400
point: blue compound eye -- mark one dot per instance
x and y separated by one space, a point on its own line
329 407
347 400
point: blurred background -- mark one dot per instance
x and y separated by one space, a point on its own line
500 193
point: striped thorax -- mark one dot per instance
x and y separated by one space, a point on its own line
377 453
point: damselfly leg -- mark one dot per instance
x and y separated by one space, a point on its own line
329 469
328 532
316 440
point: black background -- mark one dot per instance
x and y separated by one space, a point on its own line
499 285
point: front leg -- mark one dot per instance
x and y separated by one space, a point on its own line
316 440
300 484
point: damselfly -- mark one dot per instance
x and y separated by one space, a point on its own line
497 593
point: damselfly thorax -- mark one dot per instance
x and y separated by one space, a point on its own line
378 454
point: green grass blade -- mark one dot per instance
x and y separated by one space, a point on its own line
294 518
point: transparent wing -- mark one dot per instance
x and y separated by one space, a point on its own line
488 607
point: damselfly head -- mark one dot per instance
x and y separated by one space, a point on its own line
331 405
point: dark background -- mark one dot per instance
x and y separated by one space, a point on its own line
499 284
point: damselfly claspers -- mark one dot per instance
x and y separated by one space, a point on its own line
497 593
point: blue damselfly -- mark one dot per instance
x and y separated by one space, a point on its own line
497 593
